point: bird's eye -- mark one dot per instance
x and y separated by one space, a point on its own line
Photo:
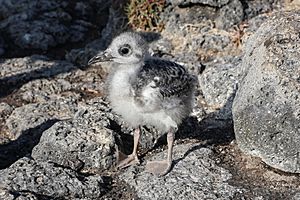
125 50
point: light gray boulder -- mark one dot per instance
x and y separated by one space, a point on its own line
85 142
266 110
47 180
194 176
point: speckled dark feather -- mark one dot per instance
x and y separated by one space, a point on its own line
171 78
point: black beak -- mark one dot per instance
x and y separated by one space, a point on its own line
103 57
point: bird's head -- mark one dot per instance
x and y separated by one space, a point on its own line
127 48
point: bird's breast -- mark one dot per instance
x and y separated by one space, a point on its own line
120 86
121 97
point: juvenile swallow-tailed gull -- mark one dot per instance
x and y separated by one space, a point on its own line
146 90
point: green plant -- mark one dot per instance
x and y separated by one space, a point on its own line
144 14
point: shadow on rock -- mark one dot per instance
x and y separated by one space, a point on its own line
11 152
192 149
36 67
216 128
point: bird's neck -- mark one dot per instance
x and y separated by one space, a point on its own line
122 77
130 67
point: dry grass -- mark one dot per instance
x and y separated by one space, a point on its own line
143 15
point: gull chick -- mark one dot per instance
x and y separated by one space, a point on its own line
146 90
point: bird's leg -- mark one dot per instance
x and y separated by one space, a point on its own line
163 167
132 159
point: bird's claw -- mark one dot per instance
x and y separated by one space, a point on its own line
124 160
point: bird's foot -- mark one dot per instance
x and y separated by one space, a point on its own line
124 160
159 168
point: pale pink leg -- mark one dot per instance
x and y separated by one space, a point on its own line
162 167
132 159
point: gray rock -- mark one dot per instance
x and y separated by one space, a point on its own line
214 3
41 80
254 8
296 196
30 73
29 116
10 195
230 14
218 84
195 30
42 24
218 81
227 14
255 22
85 142
25 125
209 181
48 180
81 56
266 109
193 36
43 90
27 196
21 70
70 87
233 7
5 110
214 42
161 45
92 80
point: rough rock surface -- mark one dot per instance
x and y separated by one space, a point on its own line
25 125
54 111
18 71
254 8
32 67
5 110
214 3
32 115
83 143
218 81
190 38
230 14
47 180
43 24
266 109
210 181
218 84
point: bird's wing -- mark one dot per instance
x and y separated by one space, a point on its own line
162 79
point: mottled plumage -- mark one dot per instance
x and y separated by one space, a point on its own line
172 79
146 90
